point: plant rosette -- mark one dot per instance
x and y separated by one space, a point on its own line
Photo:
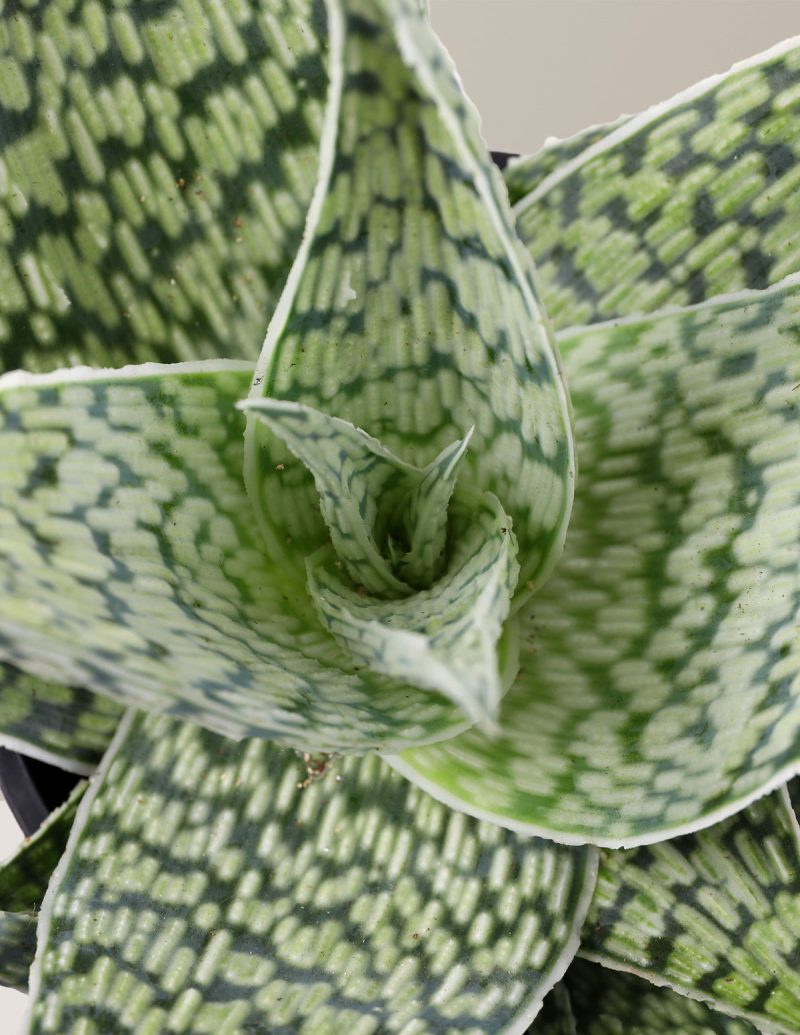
415 692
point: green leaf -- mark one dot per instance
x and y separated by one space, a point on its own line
608 1003
17 948
62 725
368 495
556 1015
695 197
522 175
24 877
410 310
23 883
131 566
158 161
658 689
444 637
215 887
715 915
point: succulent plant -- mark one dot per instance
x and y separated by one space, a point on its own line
415 693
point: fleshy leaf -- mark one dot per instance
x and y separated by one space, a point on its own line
267 899
158 160
556 1016
410 310
23 883
695 197
609 1003
365 492
659 684
424 518
17 948
715 915
61 725
443 638
131 566
523 174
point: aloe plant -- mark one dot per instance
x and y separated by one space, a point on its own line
402 677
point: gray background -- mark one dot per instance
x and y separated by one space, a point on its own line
537 68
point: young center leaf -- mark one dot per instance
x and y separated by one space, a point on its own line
385 517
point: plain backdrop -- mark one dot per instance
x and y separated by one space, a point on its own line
538 68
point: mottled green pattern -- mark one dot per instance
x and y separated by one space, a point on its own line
695 197
715 914
213 887
23 883
365 491
131 566
157 165
445 637
555 1017
609 1003
411 311
524 174
659 680
25 875
64 725
17 948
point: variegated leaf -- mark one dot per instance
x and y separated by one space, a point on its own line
660 680
17 948
23 883
556 1016
695 197
715 915
609 1003
443 637
523 174
367 495
410 310
215 887
61 725
131 565
157 164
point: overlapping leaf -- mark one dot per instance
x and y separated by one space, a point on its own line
695 197
410 310
65 726
715 915
131 565
556 1016
385 518
522 175
609 1003
659 685
227 890
372 502
158 160
23 883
